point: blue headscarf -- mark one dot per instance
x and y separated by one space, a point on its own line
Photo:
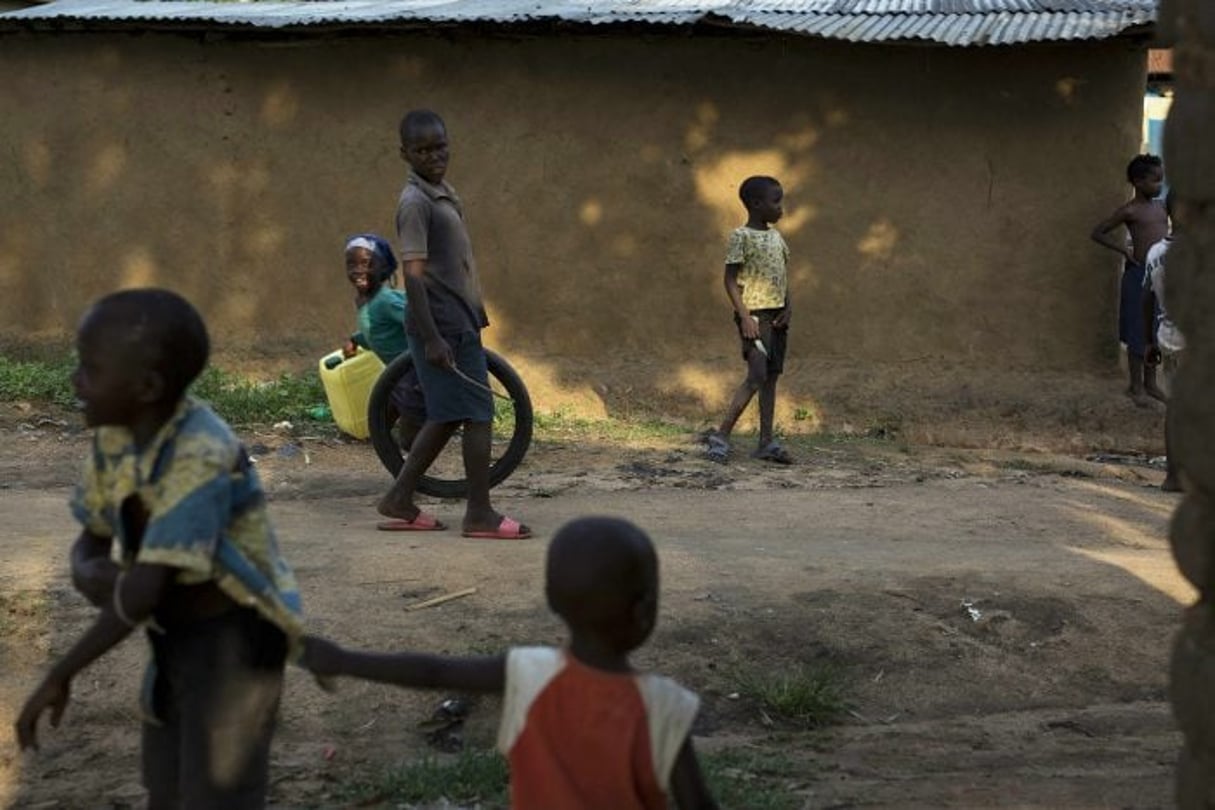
381 253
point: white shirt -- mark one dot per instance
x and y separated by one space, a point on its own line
1168 336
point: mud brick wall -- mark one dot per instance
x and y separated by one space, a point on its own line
1191 24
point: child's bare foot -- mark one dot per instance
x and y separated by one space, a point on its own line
393 506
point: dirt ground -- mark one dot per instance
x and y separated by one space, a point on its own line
1002 619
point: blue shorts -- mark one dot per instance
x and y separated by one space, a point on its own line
1130 309
449 397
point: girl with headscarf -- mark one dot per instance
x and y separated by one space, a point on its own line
382 308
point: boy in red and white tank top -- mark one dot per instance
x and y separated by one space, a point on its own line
581 729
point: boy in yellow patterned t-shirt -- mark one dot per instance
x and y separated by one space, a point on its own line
758 286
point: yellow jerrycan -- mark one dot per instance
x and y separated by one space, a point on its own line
348 382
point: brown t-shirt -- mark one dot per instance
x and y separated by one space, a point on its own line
430 226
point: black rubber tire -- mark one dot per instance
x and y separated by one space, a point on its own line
381 416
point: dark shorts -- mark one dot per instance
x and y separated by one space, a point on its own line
215 692
775 340
407 396
1130 309
450 398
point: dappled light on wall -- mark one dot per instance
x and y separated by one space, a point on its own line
700 132
409 67
280 106
139 268
880 241
718 173
591 213
1068 89
36 159
265 242
717 182
625 246
104 169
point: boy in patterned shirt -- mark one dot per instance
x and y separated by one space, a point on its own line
176 540
581 728
757 284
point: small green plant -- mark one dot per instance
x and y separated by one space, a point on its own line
805 696
561 424
244 402
751 779
37 380
239 400
473 776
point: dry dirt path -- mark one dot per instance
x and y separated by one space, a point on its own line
1003 629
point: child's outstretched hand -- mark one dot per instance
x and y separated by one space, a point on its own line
50 694
322 657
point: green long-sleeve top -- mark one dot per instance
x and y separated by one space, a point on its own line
382 324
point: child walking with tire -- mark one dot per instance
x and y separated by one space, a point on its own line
757 284
446 316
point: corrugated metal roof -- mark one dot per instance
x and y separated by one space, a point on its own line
946 22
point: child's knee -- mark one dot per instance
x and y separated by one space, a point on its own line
756 377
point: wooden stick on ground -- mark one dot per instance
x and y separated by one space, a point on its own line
438 600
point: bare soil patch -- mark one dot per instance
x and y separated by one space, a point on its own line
1001 619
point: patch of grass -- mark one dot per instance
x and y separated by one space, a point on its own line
752 779
237 399
242 401
37 380
473 776
807 696
561 424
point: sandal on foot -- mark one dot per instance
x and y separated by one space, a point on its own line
422 522
772 451
508 529
716 448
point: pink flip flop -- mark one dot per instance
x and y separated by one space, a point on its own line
508 529
423 522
